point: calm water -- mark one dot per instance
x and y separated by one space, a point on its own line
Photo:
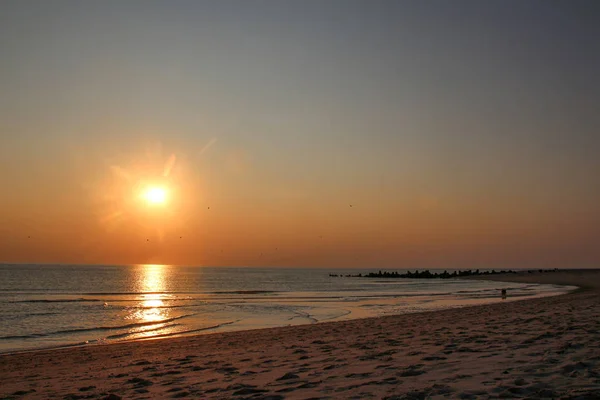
53 306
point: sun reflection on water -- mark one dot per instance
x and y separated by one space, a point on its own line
153 278
152 307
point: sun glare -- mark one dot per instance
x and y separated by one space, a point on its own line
156 195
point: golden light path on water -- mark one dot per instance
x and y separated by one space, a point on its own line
154 276
151 307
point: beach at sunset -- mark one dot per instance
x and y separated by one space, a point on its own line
299 199
545 348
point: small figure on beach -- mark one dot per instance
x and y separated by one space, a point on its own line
503 291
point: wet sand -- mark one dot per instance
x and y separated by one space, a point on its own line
536 348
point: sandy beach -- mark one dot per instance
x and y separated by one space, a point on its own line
538 348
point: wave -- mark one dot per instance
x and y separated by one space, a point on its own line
53 292
346 312
347 297
126 293
109 301
163 335
57 301
24 316
146 293
98 328
126 334
244 292
154 307
477 291
180 333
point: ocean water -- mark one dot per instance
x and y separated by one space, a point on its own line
45 306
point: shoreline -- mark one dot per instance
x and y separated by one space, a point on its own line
585 279
191 336
215 330
544 347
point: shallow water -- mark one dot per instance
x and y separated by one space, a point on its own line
55 306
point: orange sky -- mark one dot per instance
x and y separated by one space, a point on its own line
461 140
88 210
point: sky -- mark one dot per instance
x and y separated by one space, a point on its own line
387 134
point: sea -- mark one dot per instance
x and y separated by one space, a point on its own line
49 306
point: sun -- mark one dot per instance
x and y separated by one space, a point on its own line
156 195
